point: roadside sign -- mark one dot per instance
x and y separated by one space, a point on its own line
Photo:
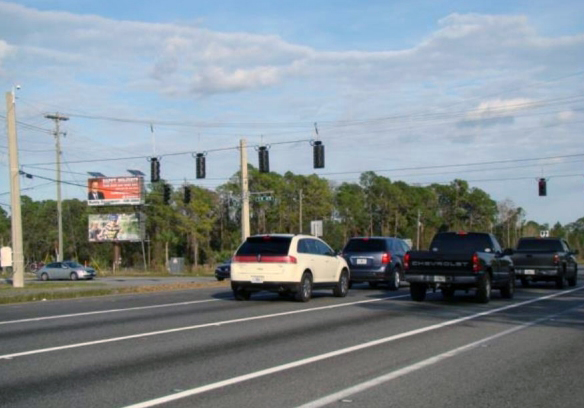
544 233
6 256
316 228
264 198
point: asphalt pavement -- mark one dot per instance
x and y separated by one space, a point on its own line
374 348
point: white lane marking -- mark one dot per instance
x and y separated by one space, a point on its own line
199 326
38 319
336 353
337 396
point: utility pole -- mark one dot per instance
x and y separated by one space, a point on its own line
58 118
300 212
16 217
244 191
418 232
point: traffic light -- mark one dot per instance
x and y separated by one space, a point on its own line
166 194
542 187
318 154
154 170
264 159
201 171
187 196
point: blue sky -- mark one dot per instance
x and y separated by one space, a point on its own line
392 85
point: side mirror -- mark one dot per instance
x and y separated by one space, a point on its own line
508 251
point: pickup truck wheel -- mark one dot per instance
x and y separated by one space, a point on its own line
305 290
508 290
574 279
342 287
484 289
418 291
395 279
525 282
447 293
560 280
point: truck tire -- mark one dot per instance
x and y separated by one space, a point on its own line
560 279
508 290
447 293
418 291
574 279
484 289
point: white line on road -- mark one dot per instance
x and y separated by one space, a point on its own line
310 360
180 329
38 319
329 399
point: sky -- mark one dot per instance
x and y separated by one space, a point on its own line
491 92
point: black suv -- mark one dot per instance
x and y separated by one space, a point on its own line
376 260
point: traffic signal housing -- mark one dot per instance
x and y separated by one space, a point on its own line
318 154
187 195
542 185
154 170
264 159
201 166
166 194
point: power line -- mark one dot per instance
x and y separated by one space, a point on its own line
162 155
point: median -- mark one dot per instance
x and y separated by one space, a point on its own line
36 291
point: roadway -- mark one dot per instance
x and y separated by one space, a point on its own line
371 349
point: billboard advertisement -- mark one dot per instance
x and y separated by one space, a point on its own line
115 191
116 227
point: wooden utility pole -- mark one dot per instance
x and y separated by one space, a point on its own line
58 118
15 214
300 197
244 191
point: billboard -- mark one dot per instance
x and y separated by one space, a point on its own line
116 227
115 191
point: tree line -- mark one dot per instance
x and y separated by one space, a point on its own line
207 230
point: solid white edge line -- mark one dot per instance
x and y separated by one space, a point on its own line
38 319
310 360
180 329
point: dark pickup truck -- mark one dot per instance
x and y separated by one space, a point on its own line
545 259
460 260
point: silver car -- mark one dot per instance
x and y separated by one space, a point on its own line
65 270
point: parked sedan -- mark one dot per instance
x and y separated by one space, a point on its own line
65 270
223 271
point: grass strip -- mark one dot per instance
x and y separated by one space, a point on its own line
16 295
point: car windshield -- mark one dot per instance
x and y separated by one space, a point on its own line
73 264
540 245
265 245
365 245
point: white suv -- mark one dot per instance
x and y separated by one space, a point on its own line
287 264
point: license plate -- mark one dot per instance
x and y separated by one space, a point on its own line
257 279
529 271
439 278
361 261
